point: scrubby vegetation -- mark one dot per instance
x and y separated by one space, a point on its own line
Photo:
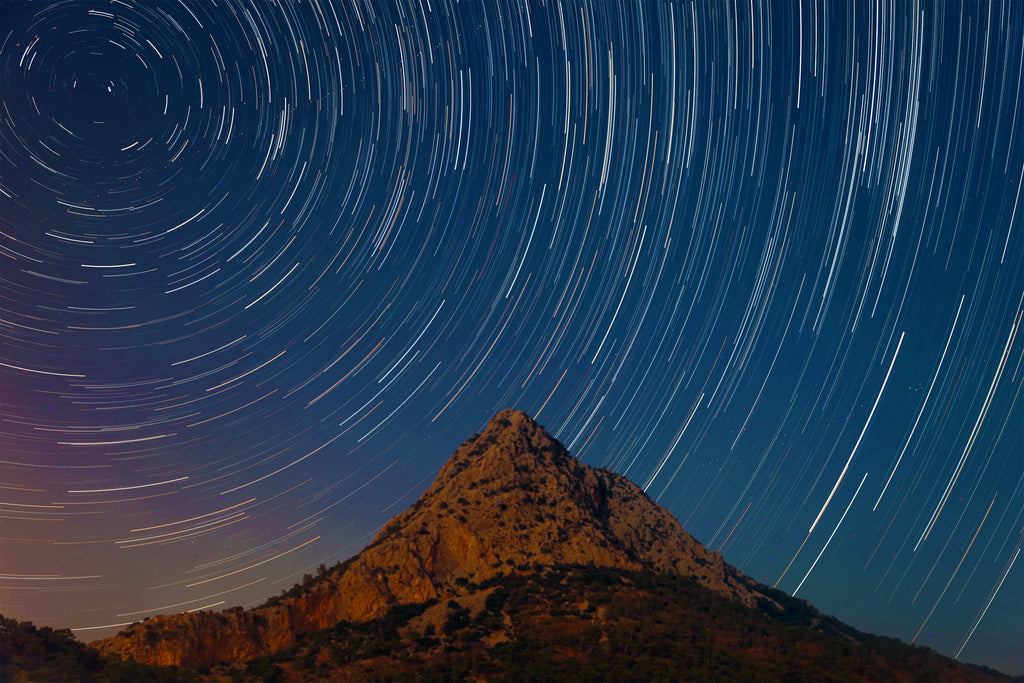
31 653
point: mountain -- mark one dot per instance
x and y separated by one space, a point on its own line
514 537
509 498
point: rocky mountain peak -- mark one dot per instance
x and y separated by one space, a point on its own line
514 464
511 445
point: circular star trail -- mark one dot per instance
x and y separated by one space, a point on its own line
265 265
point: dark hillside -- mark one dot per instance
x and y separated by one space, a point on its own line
586 623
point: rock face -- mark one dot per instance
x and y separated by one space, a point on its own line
509 499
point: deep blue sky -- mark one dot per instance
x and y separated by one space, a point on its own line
265 266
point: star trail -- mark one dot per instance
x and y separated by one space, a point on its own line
266 264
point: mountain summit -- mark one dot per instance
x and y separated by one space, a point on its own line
509 500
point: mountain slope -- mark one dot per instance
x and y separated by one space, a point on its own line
586 623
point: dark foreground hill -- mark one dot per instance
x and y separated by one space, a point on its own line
43 654
520 563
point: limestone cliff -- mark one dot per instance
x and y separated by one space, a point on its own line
509 499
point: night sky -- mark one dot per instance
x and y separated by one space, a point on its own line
265 265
